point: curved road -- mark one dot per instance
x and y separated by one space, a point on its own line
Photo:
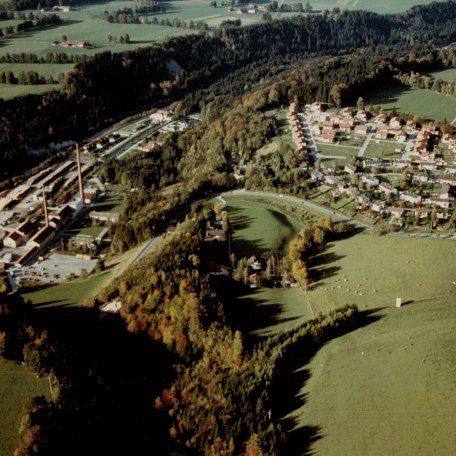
292 199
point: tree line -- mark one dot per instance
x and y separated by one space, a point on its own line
39 21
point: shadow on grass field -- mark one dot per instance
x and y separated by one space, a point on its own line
292 373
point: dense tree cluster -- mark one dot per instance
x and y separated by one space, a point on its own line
25 78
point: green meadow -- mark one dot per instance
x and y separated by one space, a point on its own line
384 6
448 75
17 386
385 388
427 104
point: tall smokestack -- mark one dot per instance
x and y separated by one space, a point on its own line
46 215
81 186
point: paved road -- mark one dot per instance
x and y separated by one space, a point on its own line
151 244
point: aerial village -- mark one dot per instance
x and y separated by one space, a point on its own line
53 225
422 160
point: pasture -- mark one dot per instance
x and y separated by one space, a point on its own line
8 91
385 388
448 75
17 386
365 269
427 104
76 292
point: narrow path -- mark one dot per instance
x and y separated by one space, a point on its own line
365 144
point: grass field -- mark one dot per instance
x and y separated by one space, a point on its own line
445 75
427 104
342 155
386 388
384 149
76 292
17 385
8 91
259 228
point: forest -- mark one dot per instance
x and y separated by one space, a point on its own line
107 87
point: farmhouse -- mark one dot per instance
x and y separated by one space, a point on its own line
372 181
421 212
76 44
361 129
379 206
63 8
397 211
395 122
350 169
382 132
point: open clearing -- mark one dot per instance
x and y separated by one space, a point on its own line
386 388
76 292
427 104
17 385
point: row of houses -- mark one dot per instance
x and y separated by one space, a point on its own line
297 132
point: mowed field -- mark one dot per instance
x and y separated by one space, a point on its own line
386 388
427 104
74 293
17 386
